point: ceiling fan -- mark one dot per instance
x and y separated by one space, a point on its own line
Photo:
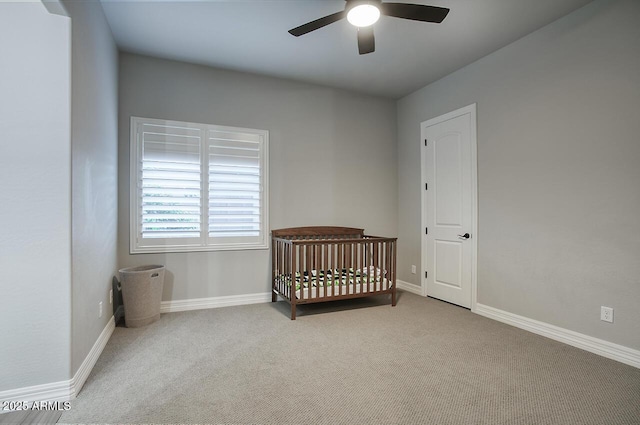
364 13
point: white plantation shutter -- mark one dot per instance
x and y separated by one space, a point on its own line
191 193
170 182
235 185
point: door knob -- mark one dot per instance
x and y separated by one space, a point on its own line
465 236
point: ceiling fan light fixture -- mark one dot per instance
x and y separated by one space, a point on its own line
363 15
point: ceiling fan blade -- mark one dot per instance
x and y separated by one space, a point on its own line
366 41
317 24
416 12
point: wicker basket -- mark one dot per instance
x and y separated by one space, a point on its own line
141 294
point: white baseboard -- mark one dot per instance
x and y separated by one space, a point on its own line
53 391
409 287
594 345
63 390
89 362
214 302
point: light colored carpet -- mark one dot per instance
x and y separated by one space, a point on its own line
356 362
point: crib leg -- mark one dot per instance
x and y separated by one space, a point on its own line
393 298
293 311
274 296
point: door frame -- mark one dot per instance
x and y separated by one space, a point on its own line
471 110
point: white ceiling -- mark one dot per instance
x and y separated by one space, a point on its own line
251 36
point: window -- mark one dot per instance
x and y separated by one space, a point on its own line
197 187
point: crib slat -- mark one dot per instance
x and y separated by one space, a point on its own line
379 279
389 266
329 266
281 247
345 266
348 261
381 271
317 266
356 257
309 269
278 265
356 262
281 269
277 273
313 257
394 297
325 249
376 264
289 259
334 267
375 253
385 268
367 261
364 267
336 264
303 266
341 266
294 270
352 265
274 265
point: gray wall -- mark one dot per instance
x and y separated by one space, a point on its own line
558 171
332 160
94 156
35 216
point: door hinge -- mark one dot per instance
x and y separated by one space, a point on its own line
425 274
426 230
426 186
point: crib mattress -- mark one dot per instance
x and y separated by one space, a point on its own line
338 282
330 291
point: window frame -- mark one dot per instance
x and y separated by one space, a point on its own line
205 242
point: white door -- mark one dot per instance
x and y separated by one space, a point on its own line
449 206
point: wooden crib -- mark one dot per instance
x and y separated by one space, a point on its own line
318 264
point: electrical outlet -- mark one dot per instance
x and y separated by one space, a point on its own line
111 296
100 309
413 269
606 314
